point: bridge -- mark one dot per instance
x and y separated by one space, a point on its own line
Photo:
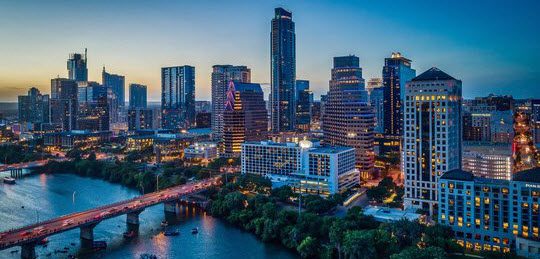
28 237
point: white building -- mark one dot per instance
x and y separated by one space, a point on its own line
488 160
201 150
432 135
303 166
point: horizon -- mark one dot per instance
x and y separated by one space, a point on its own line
496 57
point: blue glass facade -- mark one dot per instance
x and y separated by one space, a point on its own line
76 66
283 71
304 100
177 97
137 96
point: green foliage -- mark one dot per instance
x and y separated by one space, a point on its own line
308 248
418 253
11 154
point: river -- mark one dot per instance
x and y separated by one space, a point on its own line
47 196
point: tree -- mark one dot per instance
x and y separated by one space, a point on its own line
417 253
358 244
336 234
308 248
283 193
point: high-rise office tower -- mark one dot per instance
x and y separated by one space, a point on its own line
376 99
221 76
396 73
177 97
118 85
432 135
137 96
304 101
93 107
34 107
64 103
77 67
348 119
283 72
245 117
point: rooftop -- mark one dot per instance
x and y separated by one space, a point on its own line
433 74
530 175
330 149
458 174
383 214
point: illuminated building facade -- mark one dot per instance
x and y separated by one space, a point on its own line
221 76
283 72
492 215
93 113
245 117
488 160
321 170
348 119
76 138
432 135
177 97
64 103
396 73
140 118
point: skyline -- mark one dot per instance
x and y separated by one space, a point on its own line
494 57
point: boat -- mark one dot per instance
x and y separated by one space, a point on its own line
194 230
148 256
9 180
164 223
129 234
171 233
99 245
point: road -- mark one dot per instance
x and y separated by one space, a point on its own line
41 230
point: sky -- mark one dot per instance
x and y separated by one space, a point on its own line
492 46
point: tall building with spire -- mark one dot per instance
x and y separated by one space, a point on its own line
77 67
349 119
432 137
283 72
221 77
245 117
396 73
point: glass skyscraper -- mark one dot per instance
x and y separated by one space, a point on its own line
118 85
283 72
396 73
304 100
77 67
137 96
64 103
34 107
177 97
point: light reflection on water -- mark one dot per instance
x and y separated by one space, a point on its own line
48 196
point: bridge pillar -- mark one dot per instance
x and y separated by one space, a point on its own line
171 207
87 235
132 220
28 251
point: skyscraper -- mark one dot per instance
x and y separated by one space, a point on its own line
34 107
348 119
77 67
64 103
93 107
118 85
221 76
283 72
376 99
396 73
137 96
304 101
245 117
432 135
177 97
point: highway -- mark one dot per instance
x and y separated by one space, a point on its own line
38 231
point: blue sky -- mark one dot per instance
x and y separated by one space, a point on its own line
492 46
